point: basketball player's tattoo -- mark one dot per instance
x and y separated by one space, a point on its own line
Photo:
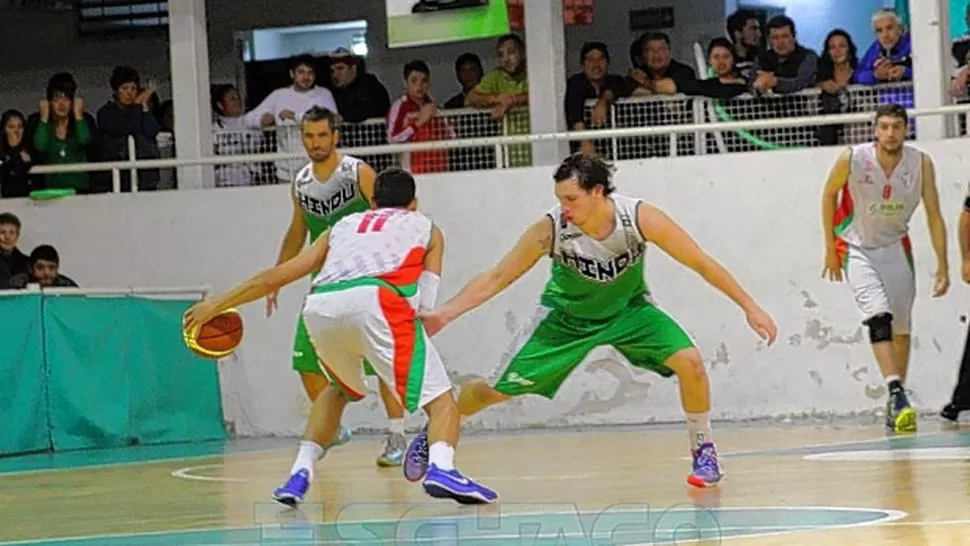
546 242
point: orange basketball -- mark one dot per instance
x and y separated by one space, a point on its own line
217 338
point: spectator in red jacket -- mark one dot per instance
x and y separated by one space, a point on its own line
414 118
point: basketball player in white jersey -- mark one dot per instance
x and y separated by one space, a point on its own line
379 268
870 197
330 187
597 296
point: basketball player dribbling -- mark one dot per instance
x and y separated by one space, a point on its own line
870 197
376 269
597 296
330 187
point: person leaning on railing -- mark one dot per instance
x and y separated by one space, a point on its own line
836 72
44 271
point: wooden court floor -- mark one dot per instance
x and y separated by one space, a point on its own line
784 485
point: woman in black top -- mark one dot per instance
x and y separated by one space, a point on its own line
14 159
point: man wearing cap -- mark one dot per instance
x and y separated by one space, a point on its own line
359 95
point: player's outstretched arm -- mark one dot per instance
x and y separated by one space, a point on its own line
838 177
661 230
937 227
535 243
262 284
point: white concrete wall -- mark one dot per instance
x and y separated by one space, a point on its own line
758 214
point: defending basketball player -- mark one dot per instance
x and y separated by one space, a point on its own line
597 296
376 269
870 197
330 187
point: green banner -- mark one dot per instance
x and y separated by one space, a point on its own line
120 374
23 398
426 22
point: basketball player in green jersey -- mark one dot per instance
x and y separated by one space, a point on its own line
597 296
327 189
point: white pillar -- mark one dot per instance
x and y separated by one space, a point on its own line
188 45
930 34
546 55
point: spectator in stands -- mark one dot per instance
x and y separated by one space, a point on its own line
284 108
788 67
12 260
230 137
44 270
129 114
505 90
62 134
15 160
659 73
414 118
836 72
889 58
744 31
960 49
359 95
726 81
593 82
469 72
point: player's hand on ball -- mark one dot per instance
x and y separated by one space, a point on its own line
941 284
763 325
199 314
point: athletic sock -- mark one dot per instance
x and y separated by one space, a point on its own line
699 429
397 426
310 453
442 455
894 384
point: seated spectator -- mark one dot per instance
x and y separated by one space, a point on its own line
129 114
359 94
744 31
960 50
889 58
788 67
12 261
15 160
284 108
505 90
230 137
63 133
594 82
836 72
44 270
726 81
414 118
659 73
469 72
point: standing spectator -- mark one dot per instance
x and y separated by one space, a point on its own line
15 160
414 118
63 133
505 90
744 30
44 270
129 114
469 72
788 67
230 137
593 82
889 58
836 72
359 94
284 108
12 260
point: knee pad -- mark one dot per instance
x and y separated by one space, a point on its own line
880 328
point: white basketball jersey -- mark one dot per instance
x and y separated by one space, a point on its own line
875 210
387 243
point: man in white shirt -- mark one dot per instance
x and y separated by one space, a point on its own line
285 107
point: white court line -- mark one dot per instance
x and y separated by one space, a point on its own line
187 473
890 518
779 451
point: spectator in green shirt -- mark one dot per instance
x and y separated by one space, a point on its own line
62 135
506 91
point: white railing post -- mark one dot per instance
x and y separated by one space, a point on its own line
133 156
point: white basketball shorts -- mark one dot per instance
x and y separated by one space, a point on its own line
362 320
883 281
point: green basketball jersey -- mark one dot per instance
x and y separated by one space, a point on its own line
594 279
325 202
